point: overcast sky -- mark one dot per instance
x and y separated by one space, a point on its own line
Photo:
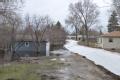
58 9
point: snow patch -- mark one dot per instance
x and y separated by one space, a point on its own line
107 59
53 59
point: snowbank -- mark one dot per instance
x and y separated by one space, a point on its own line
107 59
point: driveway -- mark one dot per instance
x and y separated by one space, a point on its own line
100 57
80 68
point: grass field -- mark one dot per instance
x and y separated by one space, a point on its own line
17 71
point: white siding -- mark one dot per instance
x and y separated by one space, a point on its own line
48 49
99 42
109 45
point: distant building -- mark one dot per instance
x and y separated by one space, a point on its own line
74 37
110 40
80 37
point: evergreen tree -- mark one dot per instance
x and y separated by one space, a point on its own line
113 22
58 24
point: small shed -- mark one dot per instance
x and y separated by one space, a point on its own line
27 47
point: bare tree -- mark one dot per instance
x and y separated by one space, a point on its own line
10 20
15 24
57 36
10 7
40 24
85 13
73 22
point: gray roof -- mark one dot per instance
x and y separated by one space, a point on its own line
27 37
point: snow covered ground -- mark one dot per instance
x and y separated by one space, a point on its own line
107 59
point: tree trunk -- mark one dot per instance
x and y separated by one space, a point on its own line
37 43
76 33
87 35
83 36
12 46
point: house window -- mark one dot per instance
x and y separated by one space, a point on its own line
110 40
26 44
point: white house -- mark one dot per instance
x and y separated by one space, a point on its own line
74 37
110 41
